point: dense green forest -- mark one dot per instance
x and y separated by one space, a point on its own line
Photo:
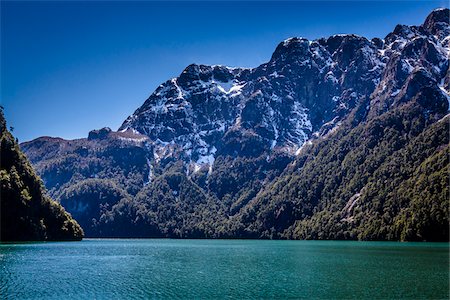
27 213
386 179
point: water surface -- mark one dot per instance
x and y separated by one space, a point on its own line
163 268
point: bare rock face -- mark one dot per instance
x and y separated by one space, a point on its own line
99 134
417 57
437 24
274 107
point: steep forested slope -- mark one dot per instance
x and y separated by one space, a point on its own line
385 179
27 213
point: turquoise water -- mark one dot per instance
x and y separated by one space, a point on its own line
242 269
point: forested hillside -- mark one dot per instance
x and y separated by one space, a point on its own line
27 213
386 179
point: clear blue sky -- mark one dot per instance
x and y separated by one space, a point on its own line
70 67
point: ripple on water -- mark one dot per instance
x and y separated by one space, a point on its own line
136 269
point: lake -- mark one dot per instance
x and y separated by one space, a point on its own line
243 269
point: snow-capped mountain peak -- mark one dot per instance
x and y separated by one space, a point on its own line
306 87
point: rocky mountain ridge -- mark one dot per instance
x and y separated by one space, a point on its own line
306 88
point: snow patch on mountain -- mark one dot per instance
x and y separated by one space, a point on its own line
304 91
445 92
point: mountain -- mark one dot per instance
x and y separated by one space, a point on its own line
27 213
330 138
